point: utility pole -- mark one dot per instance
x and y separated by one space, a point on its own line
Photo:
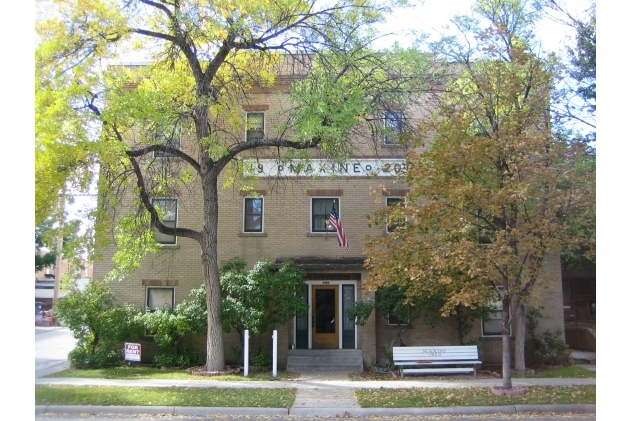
60 245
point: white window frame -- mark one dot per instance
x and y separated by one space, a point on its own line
328 227
247 114
389 139
149 309
497 317
396 324
155 231
398 199
245 200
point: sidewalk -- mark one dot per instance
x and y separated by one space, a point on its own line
318 393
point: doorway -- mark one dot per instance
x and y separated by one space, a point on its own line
324 320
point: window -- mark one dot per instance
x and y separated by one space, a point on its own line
320 212
171 137
393 125
255 126
168 216
253 214
392 224
394 320
493 327
160 298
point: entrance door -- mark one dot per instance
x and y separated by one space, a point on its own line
324 323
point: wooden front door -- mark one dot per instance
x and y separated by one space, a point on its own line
324 322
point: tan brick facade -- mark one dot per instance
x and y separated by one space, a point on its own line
287 234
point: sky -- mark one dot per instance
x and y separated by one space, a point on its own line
433 15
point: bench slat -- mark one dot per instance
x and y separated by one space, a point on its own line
439 370
424 356
404 363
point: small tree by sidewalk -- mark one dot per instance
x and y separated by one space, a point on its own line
263 296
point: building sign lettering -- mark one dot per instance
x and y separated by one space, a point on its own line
323 168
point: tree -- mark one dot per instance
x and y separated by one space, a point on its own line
205 58
46 242
495 185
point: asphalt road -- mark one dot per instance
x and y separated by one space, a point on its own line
52 345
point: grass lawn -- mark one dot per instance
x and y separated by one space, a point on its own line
430 397
158 396
136 373
569 372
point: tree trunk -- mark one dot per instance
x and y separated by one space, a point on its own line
519 313
215 360
506 357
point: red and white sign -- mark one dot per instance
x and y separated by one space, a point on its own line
132 352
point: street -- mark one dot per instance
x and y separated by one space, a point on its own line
528 417
52 345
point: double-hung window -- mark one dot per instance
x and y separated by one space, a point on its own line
321 212
493 326
393 126
160 298
253 214
393 223
168 216
255 126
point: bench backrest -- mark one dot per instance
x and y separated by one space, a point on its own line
434 353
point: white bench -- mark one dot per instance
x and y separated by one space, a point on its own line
435 359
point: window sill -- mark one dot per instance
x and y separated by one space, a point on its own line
252 234
493 338
331 234
170 246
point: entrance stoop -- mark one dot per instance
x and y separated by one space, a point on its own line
325 360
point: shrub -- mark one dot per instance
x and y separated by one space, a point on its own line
261 360
546 348
169 326
98 325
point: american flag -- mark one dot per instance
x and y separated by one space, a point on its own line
334 219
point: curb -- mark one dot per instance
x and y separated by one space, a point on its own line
203 411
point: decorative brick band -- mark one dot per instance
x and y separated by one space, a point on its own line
325 192
256 107
334 276
160 283
248 193
395 192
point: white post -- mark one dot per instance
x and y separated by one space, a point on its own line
274 352
246 350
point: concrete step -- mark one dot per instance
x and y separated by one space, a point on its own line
325 360
354 367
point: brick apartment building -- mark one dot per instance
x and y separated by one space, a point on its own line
285 216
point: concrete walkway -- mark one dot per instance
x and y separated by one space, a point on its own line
318 394
328 393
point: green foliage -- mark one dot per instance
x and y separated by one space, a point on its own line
98 325
262 296
466 316
167 327
546 348
184 358
261 360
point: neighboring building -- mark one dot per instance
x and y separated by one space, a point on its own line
45 281
286 216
